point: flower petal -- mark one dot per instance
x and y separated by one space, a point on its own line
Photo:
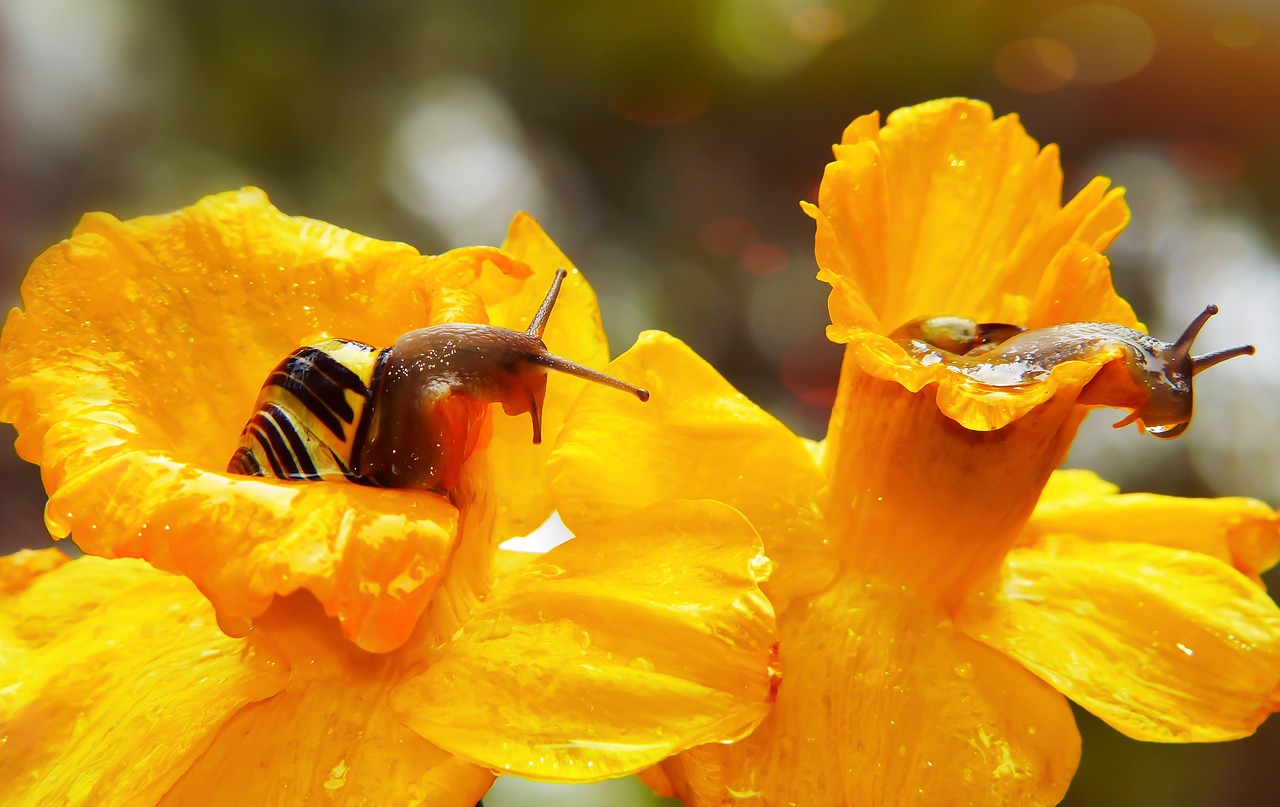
101 658
604 656
574 332
373 556
1161 643
137 360
330 735
696 437
884 702
1244 533
947 211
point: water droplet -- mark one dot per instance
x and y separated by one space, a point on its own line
337 776
641 663
759 568
964 670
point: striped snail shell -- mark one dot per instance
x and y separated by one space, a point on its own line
405 416
1005 355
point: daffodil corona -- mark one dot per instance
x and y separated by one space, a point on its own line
939 587
249 640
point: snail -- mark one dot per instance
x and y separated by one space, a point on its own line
406 416
1005 355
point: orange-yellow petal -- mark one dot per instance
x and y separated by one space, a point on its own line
884 703
330 736
1161 643
24 567
947 211
574 332
1244 533
609 652
373 556
137 360
114 677
696 437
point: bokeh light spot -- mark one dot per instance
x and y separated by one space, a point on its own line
1237 31
1110 43
817 25
1207 160
728 236
810 371
756 37
459 154
1035 64
763 259
664 106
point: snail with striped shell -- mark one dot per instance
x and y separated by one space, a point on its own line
1004 355
406 416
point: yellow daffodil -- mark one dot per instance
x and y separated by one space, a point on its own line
939 589
285 641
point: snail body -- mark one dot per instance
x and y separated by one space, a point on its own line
1003 355
406 416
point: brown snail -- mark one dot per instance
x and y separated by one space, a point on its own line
1003 355
405 416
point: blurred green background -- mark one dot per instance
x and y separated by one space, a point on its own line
664 145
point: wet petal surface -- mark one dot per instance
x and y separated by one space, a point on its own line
609 652
1164 644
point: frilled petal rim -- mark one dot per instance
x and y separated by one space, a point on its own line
1163 644
610 652
945 210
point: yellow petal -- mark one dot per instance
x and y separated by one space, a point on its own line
330 736
947 211
1161 643
883 702
136 361
696 437
609 652
114 678
1244 533
574 332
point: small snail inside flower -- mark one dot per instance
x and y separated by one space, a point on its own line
1002 355
405 416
